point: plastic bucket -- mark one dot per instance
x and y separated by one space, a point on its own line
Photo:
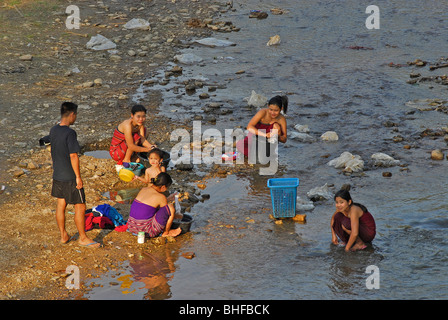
126 175
133 168
184 224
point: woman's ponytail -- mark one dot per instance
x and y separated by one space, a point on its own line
281 102
162 179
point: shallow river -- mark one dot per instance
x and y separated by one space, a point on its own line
239 252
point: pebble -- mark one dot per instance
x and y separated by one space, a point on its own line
26 57
437 155
188 255
299 218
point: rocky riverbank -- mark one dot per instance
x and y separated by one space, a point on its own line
44 64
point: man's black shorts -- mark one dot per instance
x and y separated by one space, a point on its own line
67 190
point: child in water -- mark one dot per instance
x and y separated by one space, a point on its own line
351 222
155 158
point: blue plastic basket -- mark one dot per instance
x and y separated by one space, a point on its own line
283 196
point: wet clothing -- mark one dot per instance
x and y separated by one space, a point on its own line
243 145
67 190
63 142
143 217
367 227
118 146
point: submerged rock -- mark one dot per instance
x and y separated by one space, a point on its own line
320 193
384 160
347 161
437 154
273 41
303 137
329 136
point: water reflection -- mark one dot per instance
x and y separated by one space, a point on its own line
155 269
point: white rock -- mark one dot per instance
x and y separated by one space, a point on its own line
100 42
304 205
320 193
213 42
275 40
137 23
384 160
300 136
187 58
329 136
256 100
348 161
302 128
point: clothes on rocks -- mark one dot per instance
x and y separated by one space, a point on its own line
101 222
111 213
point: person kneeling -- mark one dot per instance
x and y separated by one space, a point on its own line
150 211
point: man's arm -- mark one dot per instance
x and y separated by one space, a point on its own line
74 159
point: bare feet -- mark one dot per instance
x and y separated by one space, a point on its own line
172 233
358 246
65 238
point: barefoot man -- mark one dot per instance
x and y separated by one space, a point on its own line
67 182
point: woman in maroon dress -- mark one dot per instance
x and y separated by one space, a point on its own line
351 222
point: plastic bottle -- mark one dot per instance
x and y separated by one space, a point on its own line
177 204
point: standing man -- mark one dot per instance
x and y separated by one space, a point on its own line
67 182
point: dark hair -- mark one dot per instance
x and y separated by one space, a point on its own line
156 151
67 108
281 102
162 179
344 194
138 108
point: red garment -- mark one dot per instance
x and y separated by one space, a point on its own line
102 222
243 145
118 146
122 228
367 227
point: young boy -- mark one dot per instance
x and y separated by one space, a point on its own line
67 182
130 137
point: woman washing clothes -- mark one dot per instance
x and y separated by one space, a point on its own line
268 123
351 222
130 136
150 211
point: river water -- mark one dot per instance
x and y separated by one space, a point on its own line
239 252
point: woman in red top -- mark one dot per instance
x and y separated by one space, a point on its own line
268 123
351 222
130 137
